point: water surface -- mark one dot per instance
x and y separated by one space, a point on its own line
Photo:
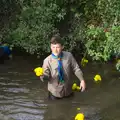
24 97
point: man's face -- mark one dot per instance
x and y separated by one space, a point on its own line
56 49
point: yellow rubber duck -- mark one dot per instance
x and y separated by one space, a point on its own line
84 61
78 88
80 116
39 71
75 87
97 78
117 60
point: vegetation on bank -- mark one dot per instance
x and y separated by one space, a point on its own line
90 28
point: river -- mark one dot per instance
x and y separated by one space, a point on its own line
24 97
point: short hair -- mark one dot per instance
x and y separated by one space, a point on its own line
56 39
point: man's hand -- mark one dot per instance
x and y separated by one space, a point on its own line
41 78
82 85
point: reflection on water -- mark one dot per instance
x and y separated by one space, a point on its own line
24 97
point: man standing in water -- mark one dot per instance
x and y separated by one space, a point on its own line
58 68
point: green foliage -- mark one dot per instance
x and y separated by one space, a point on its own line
96 25
74 41
102 43
105 32
8 10
35 25
109 11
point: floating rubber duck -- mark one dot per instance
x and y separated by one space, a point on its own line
39 71
80 116
97 78
75 87
78 88
78 108
84 61
118 60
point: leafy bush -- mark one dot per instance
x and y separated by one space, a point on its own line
35 25
98 28
103 43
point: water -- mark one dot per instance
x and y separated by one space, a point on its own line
23 95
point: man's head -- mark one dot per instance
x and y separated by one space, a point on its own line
56 45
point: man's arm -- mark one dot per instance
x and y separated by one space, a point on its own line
76 69
46 73
78 72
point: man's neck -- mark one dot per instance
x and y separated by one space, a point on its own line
57 56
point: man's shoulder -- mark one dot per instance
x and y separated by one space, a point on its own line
47 58
68 54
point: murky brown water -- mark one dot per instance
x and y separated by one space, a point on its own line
23 95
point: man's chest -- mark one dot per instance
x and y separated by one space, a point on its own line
65 63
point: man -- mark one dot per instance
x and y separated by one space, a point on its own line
58 68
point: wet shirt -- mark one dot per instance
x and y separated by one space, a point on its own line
70 66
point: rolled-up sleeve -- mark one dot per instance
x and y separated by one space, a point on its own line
46 69
76 69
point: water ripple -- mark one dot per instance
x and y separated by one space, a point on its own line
16 90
